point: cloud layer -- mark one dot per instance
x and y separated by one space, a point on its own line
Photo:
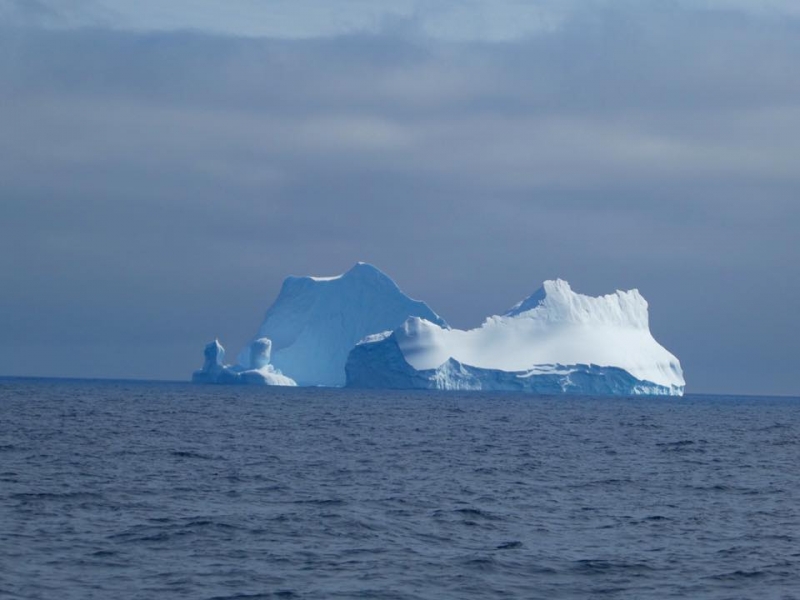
156 187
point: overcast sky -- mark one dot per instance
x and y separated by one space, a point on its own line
163 166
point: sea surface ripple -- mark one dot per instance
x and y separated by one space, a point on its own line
128 490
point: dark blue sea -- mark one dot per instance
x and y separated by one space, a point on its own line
120 490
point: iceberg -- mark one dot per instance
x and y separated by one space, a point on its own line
216 371
213 366
554 341
309 330
360 330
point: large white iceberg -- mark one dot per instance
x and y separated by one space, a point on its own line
358 329
313 324
555 341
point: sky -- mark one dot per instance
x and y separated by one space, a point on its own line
164 166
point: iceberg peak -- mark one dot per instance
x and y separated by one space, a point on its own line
360 273
529 303
365 271
556 302
360 269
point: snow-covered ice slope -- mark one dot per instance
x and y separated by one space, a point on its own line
316 321
555 340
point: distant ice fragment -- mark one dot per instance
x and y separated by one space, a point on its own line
215 371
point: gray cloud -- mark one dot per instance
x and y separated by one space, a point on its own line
460 20
156 188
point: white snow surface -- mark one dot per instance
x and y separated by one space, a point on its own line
266 375
554 326
316 321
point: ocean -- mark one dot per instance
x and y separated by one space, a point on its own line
128 490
